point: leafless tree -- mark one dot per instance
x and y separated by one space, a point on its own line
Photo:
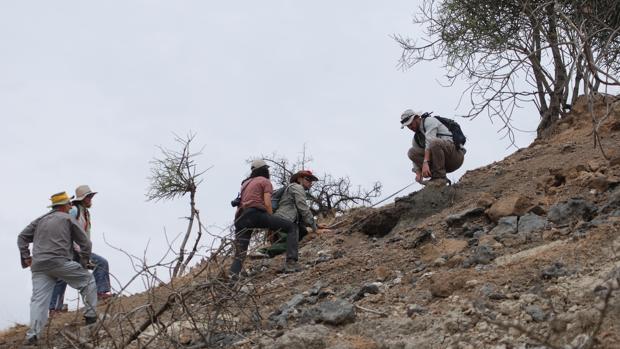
329 195
174 174
519 51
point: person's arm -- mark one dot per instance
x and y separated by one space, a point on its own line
429 126
23 243
80 238
267 199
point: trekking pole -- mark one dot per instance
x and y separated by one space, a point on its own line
377 203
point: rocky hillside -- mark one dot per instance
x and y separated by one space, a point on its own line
522 253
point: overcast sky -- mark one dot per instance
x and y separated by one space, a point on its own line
88 90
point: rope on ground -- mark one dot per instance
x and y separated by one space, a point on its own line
377 203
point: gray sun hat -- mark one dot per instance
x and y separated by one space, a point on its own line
406 118
82 192
258 163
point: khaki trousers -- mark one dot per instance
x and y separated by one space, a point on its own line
445 158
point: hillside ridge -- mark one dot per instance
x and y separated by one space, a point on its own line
520 253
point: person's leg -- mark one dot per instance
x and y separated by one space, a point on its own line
58 295
82 280
437 148
416 156
287 227
277 247
302 231
42 286
243 234
454 158
101 273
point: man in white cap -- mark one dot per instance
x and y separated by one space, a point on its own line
433 151
101 270
52 236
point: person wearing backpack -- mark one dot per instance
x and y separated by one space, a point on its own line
101 270
255 212
293 207
437 146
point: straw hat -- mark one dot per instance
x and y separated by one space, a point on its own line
58 199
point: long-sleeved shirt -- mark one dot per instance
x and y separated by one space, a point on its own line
293 201
52 236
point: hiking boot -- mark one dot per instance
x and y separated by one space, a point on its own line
290 267
89 320
30 341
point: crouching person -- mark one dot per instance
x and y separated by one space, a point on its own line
52 236
255 212
293 207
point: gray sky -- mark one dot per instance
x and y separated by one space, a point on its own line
89 89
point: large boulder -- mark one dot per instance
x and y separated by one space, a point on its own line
571 210
511 205
531 223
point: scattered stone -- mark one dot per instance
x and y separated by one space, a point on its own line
490 291
511 205
530 223
598 182
372 288
505 226
443 285
382 273
440 261
575 208
461 217
280 317
337 312
613 202
485 200
490 241
555 270
420 237
481 255
415 309
304 337
316 288
535 312
538 210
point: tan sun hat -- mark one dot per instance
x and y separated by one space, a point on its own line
58 199
82 192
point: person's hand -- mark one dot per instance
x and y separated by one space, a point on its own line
418 176
27 262
426 170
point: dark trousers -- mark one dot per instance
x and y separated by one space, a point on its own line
253 218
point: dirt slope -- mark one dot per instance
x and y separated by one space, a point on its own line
522 253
